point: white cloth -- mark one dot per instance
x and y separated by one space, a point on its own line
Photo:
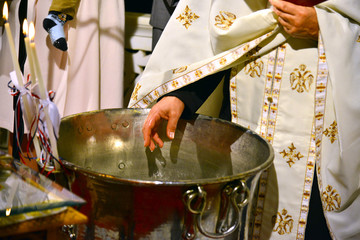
342 53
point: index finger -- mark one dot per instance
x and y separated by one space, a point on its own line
148 127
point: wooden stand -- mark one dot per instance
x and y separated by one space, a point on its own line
48 228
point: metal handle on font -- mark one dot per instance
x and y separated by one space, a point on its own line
195 201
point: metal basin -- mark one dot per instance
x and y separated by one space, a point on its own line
201 185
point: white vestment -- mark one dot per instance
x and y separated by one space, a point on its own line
300 95
89 76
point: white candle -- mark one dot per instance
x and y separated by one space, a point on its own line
43 94
28 51
33 81
12 45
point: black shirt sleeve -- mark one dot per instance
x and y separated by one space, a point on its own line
195 94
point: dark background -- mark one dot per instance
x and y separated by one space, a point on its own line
143 6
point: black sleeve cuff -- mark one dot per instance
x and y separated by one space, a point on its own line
195 94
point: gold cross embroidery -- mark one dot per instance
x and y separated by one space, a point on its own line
291 155
187 17
332 132
135 93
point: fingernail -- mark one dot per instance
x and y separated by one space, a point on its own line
172 135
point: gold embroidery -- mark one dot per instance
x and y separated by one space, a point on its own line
164 88
358 40
319 115
332 132
283 223
232 86
179 70
246 47
146 101
320 88
224 20
222 61
234 114
174 83
331 198
301 79
134 95
198 73
187 17
292 155
156 93
254 68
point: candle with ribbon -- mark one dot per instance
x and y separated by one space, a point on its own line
48 107
17 78
33 81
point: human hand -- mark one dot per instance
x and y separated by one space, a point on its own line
298 21
169 108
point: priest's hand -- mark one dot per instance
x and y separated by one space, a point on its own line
298 21
169 108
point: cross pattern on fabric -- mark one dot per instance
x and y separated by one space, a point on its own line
187 17
291 155
331 132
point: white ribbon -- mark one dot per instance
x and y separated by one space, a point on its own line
25 93
53 114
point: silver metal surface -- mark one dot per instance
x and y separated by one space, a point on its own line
138 194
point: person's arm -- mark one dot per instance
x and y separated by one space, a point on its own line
298 21
182 102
